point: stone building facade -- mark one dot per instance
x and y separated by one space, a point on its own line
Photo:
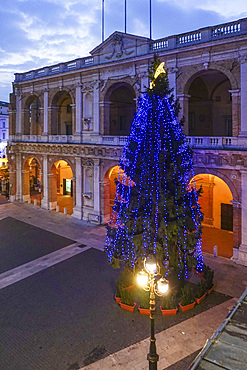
69 122
4 131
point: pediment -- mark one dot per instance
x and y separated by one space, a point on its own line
120 46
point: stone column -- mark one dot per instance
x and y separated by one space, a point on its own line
172 80
105 201
184 112
12 185
77 210
243 76
235 111
45 122
78 110
96 109
19 196
242 252
52 190
96 181
105 118
236 224
44 201
18 114
25 185
142 77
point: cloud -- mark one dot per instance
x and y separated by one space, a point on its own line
225 8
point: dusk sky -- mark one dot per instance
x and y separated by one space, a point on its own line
37 33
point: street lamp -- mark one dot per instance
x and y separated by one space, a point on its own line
149 278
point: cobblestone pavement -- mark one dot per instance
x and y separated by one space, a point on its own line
63 315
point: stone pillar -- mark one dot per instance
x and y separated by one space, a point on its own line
18 114
105 201
243 74
45 122
73 116
105 118
25 185
241 256
184 112
52 190
96 109
12 185
236 224
172 80
45 201
78 110
96 195
19 196
142 78
235 111
77 210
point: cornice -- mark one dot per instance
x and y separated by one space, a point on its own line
76 150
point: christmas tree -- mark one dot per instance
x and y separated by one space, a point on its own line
156 210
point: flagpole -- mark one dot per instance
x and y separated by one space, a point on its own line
103 19
125 16
150 14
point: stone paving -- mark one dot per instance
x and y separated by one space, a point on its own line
174 343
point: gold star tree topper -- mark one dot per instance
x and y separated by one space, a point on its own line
159 70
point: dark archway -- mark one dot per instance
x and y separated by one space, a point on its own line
32 117
210 105
122 108
61 114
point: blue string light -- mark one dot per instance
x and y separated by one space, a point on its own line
156 166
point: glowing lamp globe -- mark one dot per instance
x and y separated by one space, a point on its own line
150 265
162 285
142 278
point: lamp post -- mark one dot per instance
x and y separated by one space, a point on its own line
151 280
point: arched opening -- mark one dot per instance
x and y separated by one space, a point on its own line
122 108
217 208
210 105
32 181
32 118
61 114
61 186
113 174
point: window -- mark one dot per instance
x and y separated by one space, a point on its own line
3 124
3 135
226 217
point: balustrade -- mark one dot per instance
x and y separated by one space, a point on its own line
236 143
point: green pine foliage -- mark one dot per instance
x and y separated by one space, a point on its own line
186 295
169 302
127 297
170 230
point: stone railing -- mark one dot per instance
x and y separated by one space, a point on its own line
55 69
172 42
197 142
237 143
202 35
83 138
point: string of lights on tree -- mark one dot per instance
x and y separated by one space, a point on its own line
156 211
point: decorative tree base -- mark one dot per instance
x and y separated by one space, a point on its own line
187 307
144 311
168 312
199 300
210 290
126 307
117 299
